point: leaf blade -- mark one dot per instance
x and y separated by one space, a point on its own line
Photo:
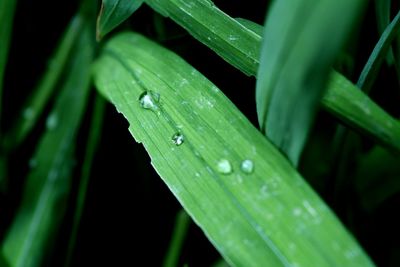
113 13
235 209
296 59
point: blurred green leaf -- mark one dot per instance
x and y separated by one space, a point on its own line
47 185
7 10
240 46
41 94
250 202
113 13
182 223
377 177
301 41
91 147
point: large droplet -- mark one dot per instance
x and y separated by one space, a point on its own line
247 166
149 100
52 121
224 166
178 139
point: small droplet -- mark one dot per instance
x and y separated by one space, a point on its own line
32 163
52 121
178 139
247 166
224 166
149 100
27 113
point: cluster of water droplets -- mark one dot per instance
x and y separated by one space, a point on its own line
150 100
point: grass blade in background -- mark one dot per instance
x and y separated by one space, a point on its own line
382 12
35 104
182 223
301 42
382 49
241 48
7 10
253 206
91 147
113 13
47 185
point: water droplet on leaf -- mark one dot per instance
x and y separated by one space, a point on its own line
178 139
149 100
247 166
52 121
224 166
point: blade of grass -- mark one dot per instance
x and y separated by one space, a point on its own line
241 46
295 62
381 50
91 147
7 10
382 12
182 223
47 185
255 215
46 87
113 13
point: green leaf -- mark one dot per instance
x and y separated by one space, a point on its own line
36 102
7 10
182 223
91 147
113 13
47 185
250 202
301 42
382 11
357 109
381 49
240 46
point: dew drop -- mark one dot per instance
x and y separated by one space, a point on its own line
247 166
27 113
32 163
178 139
52 121
149 100
224 166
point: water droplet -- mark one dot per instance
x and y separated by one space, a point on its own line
247 166
32 163
28 113
149 100
52 121
224 166
178 139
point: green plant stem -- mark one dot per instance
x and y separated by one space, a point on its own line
182 223
92 144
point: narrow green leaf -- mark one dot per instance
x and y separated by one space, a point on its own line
301 42
381 49
47 185
182 223
382 11
91 147
7 10
358 109
113 13
241 47
36 102
250 202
